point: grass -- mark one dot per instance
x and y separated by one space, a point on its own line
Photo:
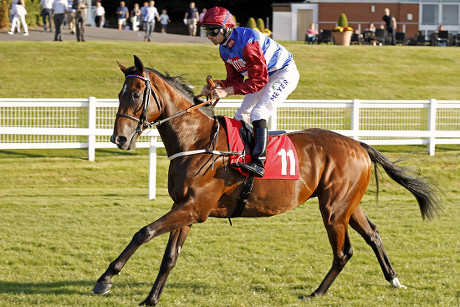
72 70
64 219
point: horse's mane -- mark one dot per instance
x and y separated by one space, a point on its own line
178 83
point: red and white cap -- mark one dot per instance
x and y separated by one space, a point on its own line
218 16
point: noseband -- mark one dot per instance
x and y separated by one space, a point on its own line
143 122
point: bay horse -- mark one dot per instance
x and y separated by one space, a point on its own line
334 168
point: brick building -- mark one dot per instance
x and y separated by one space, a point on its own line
291 20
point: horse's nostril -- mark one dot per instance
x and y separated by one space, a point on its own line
121 140
118 140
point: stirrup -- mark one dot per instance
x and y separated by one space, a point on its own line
253 169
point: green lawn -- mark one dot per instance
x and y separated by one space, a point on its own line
72 70
63 218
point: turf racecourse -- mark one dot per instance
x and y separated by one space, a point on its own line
63 219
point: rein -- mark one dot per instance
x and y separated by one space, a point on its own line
143 122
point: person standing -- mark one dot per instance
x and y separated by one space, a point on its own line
390 25
200 18
149 15
164 20
191 17
270 71
80 13
46 8
99 15
59 8
136 17
70 16
143 13
19 13
123 14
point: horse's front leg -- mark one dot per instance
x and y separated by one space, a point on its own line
175 219
175 243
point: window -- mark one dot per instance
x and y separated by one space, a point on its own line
430 14
450 14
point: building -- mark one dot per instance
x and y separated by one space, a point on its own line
291 20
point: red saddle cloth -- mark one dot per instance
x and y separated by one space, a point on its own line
281 161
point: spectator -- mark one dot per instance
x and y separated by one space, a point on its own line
59 8
200 18
311 34
149 20
136 17
190 18
390 26
80 13
143 13
369 34
71 17
46 8
164 20
122 13
270 71
99 15
18 13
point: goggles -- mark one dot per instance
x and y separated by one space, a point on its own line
212 30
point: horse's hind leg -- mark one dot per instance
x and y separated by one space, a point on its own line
361 223
337 231
175 243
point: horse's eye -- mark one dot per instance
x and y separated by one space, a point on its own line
136 95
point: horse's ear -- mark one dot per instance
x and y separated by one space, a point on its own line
139 65
122 68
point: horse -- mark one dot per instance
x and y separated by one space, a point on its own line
334 168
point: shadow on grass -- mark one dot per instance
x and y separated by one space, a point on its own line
58 287
84 287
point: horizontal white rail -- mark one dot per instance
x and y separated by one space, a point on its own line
88 123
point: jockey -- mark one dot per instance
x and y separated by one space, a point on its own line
270 71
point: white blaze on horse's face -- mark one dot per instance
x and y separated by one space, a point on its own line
124 89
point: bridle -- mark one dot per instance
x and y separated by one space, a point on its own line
143 122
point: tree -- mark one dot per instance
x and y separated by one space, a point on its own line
4 17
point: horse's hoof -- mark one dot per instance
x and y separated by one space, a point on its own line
308 297
101 288
147 303
396 284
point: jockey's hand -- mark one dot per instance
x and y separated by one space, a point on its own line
206 91
218 93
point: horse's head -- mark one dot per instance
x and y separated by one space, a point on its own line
139 105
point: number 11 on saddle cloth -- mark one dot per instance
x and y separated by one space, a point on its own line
281 161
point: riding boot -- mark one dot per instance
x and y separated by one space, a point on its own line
259 152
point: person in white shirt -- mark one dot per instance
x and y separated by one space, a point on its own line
149 15
99 15
46 6
60 7
18 12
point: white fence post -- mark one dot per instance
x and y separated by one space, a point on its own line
432 127
355 118
152 167
92 128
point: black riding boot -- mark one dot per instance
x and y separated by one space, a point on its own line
259 152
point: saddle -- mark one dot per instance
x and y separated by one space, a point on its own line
281 161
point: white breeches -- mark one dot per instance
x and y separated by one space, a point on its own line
260 105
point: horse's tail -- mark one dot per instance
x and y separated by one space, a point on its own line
426 193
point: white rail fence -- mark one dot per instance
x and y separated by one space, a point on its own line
88 123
